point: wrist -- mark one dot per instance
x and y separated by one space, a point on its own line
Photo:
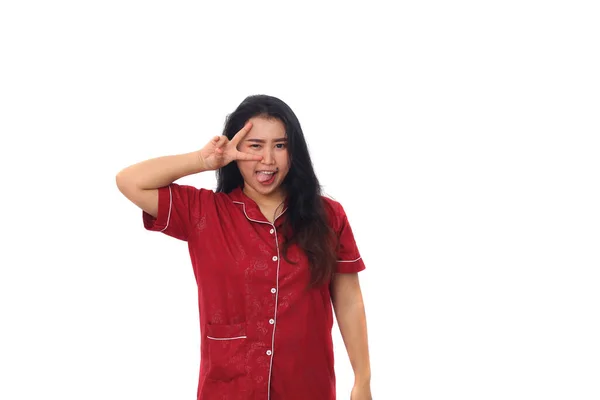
198 162
362 379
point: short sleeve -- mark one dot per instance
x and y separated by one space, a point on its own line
180 207
349 259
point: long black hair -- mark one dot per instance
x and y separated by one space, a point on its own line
306 223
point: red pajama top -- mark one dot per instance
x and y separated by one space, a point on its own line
263 335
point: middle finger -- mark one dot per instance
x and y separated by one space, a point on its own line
241 133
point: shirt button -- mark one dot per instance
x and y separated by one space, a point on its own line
274 258
269 352
273 290
271 231
271 321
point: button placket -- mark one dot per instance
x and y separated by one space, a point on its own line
274 290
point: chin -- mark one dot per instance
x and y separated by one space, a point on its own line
269 190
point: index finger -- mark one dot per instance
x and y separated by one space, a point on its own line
241 133
247 156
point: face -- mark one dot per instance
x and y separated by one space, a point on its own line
267 138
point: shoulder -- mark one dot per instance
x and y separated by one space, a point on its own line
201 196
332 206
189 191
335 212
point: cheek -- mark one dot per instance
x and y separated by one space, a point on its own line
284 164
283 158
246 168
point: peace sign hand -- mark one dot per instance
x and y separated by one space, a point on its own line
220 151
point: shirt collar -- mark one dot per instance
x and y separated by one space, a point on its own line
250 207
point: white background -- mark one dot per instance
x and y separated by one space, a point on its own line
461 138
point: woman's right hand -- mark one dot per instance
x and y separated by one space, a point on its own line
220 151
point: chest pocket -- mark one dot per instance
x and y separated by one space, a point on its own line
227 349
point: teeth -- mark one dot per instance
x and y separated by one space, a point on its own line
266 172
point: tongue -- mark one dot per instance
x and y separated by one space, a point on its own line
264 177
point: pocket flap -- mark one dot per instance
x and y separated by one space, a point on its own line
229 331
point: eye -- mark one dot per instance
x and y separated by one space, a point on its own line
255 146
280 145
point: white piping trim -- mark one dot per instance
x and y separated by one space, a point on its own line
275 317
170 205
350 260
229 338
276 293
262 222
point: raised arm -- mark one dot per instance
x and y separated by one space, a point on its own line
140 182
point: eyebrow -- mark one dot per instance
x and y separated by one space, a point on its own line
263 141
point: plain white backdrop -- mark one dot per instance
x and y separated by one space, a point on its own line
460 137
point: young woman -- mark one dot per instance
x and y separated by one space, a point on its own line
270 257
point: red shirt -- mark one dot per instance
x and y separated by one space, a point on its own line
263 335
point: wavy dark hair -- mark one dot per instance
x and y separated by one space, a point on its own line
305 222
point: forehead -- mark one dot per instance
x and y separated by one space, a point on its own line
266 128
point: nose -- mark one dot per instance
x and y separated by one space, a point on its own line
268 157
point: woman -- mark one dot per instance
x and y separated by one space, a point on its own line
270 257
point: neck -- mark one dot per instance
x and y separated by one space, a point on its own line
272 200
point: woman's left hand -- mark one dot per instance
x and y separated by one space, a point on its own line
361 392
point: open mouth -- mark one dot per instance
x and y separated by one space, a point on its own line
266 177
